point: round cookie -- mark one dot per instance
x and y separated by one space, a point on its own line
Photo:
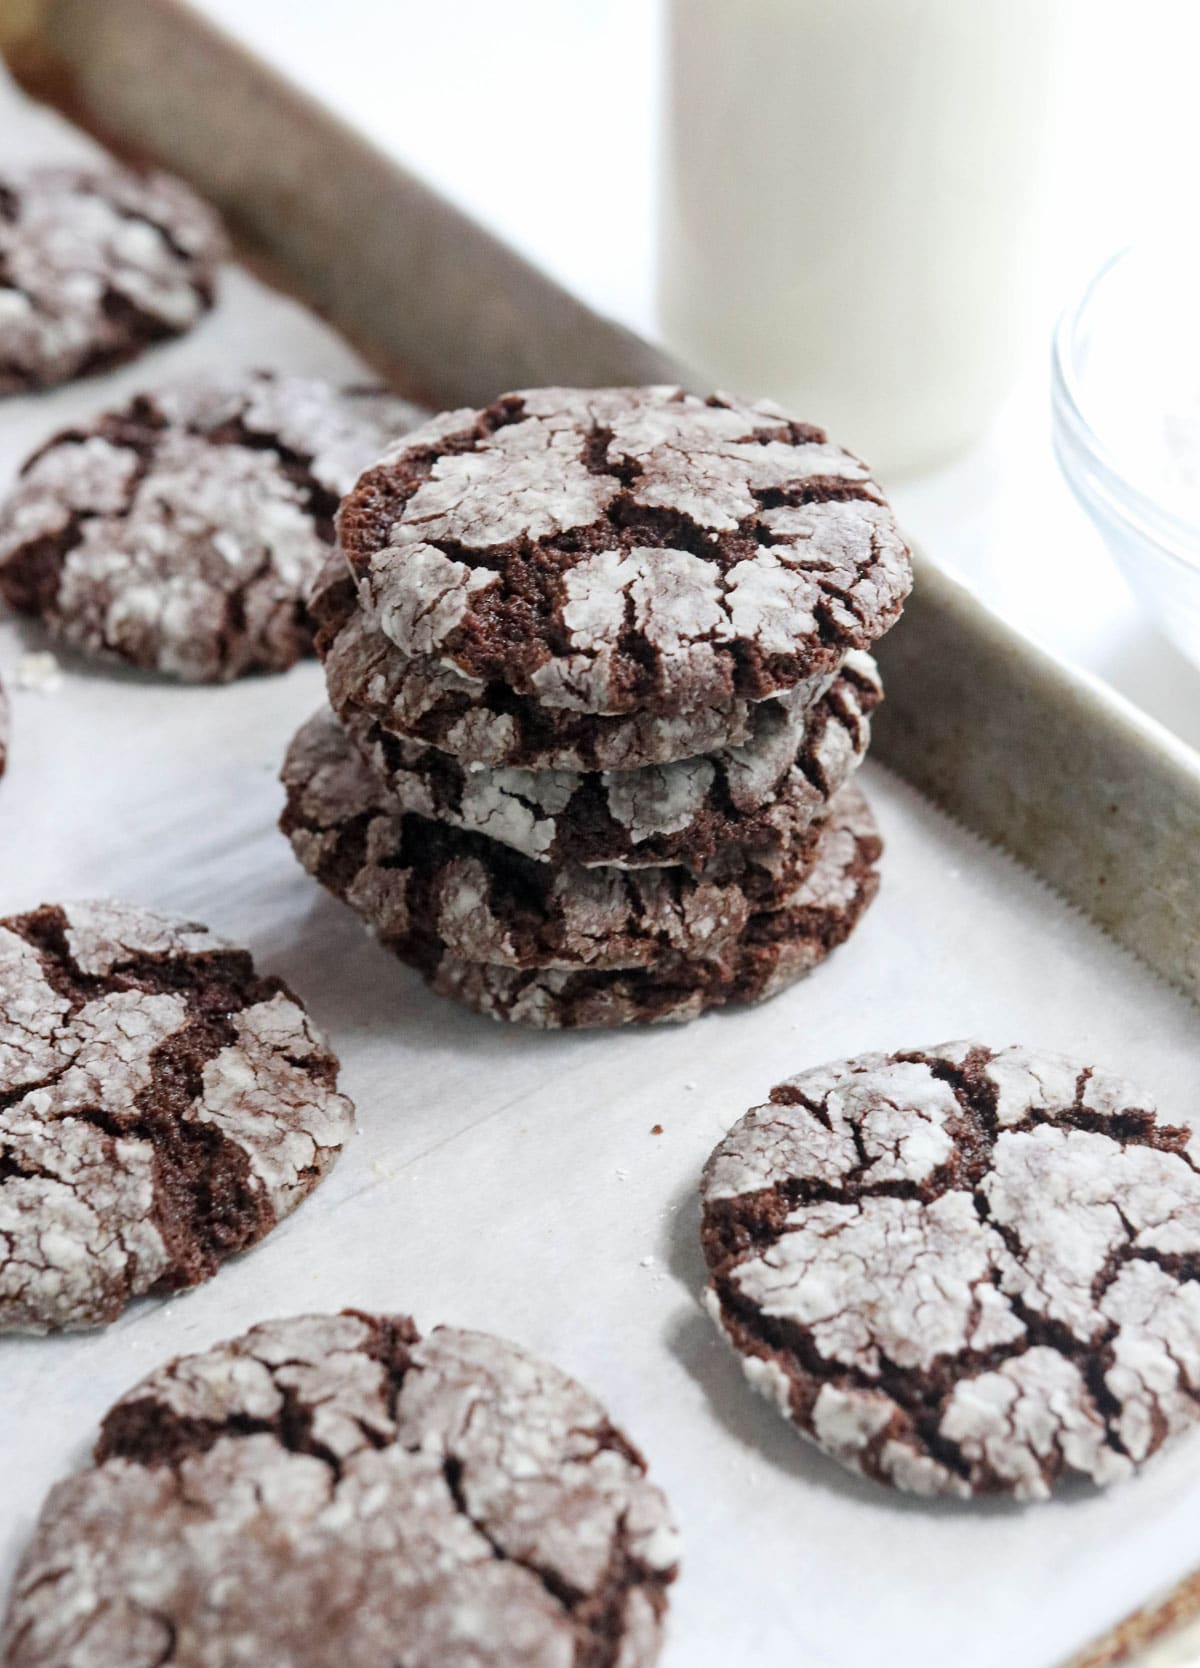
182 533
95 264
371 683
161 1108
413 879
774 948
757 798
337 1489
623 550
962 1270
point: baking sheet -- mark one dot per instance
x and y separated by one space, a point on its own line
510 1181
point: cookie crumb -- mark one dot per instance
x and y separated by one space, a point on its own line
39 672
656 1129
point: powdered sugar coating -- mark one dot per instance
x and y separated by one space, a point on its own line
410 878
94 264
160 1108
756 798
183 533
975 1269
775 949
325 1487
372 686
4 724
613 551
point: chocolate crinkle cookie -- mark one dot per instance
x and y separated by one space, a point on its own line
182 533
560 945
422 700
162 1106
410 877
337 1489
775 949
620 550
755 798
598 671
963 1270
95 264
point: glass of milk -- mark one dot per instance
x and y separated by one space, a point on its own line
850 207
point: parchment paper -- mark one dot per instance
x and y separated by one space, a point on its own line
510 1181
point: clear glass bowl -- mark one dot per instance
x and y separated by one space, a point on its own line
1126 417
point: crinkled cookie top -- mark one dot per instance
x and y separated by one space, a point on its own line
161 1107
629 549
94 264
183 532
335 1489
963 1270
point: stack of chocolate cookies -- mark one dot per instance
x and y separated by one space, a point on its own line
597 670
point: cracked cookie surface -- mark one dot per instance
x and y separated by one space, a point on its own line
95 264
371 684
757 798
161 1108
774 949
963 1270
625 550
182 533
334 1489
410 878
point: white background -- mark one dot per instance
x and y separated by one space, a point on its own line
540 116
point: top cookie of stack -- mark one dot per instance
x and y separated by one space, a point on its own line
618 628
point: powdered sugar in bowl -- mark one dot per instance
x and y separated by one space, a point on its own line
1126 407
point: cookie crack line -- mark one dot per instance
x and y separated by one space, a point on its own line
963 1269
779 1338
562 1592
595 1616
147 1430
925 1411
665 531
93 187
